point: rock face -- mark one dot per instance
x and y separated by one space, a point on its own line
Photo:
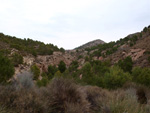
46 60
43 61
136 53
27 63
91 44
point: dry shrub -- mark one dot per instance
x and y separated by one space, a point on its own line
128 85
64 96
21 95
141 94
28 102
74 108
21 101
97 97
125 101
5 110
7 95
24 80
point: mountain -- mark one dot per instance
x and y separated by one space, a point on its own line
91 44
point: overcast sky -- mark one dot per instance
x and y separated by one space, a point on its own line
71 23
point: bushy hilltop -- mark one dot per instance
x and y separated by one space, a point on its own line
26 46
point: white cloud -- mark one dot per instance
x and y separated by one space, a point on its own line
70 23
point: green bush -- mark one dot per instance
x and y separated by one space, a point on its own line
74 66
42 82
58 74
36 72
4 52
141 75
62 66
86 69
80 56
16 46
52 69
145 29
62 50
115 78
126 64
87 75
92 73
6 69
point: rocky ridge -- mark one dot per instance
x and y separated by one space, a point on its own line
91 44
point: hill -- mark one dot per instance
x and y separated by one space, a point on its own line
27 46
91 44
26 52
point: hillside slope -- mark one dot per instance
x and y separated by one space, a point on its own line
32 52
134 45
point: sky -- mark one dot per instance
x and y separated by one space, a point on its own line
71 23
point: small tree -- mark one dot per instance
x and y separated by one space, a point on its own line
86 69
115 78
74 65
52 69
17 59
36 72
126 64
141 75
62 66
6 69
145 29
42 82
87 74
62 50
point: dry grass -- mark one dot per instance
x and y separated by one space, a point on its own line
126 101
